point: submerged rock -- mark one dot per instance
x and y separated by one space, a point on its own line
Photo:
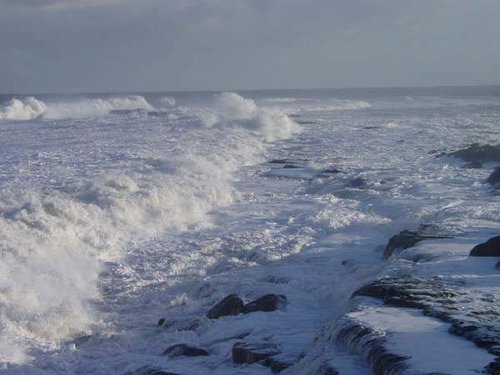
478 153
358 182
290 166
150 371
251 353
277 363
231 305
184 350
330 171
269 302
490 248
494 178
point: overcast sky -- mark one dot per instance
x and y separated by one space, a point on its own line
168 45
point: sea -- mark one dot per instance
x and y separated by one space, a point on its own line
124 218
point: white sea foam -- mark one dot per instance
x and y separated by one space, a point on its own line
233 110
54 241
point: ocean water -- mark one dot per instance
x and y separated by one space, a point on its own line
118 210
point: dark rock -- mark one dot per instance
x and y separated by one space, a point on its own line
490 248
276 363
327 370
409 238
497 266
269 302
277 161
231 305
461 329
290 166
150 371
183 350
79 341
251 353
330 171
473 165
494 178
371 345
478 153
160 322
358 182
401 241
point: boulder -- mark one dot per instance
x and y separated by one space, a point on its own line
269 302
490 248
231 305
184 350
494 178
254 352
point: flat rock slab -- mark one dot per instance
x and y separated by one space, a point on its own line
478 153
473 316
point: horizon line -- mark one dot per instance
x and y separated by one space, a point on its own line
182 91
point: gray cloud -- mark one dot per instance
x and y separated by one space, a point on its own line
120 45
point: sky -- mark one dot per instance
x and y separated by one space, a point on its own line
173 45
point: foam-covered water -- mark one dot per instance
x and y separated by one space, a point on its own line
116 210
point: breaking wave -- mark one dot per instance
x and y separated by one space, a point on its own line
32 108
55 241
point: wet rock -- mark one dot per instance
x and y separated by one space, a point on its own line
494 178
490 248
184 350
277 161
161 322
445 302
401 241
358 182
150 371
269 302
328 370
251 353
290 166
409 238
371 345
79 341
497 266
231 305
277 363
473 165
306 122
330 171
478 153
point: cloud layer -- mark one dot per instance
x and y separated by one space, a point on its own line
122 45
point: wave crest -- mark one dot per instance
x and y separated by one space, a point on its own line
31 108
